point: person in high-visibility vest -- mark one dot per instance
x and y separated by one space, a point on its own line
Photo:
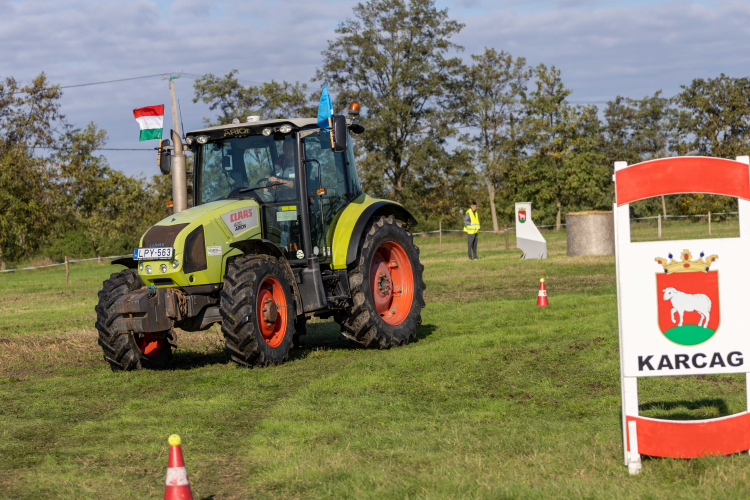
471 227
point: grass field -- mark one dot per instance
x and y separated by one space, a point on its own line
495 399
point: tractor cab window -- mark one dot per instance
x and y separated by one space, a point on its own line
351 172
327 172
266 162
228 165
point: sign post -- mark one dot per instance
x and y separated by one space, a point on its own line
681 306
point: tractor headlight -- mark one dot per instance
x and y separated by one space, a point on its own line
285 129
148 269
163 268
175 264
235 121
202 139
267 131
189 140
140 266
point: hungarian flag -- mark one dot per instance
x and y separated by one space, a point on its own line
151 121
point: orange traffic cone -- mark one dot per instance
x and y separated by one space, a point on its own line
177 486
541 300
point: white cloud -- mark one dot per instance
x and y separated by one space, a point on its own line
626 50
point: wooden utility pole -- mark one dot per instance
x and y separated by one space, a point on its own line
179 179
658 224
709 223
440 235
175 119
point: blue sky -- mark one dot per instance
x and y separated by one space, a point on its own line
604 48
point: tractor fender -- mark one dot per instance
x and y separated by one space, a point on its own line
375 209
266 247
128 262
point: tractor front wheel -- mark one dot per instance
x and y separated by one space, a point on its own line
128 351
387 288
257 309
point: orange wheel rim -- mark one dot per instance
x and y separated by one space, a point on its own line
392 282
149 345
271 312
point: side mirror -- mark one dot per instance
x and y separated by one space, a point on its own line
165 158
339 134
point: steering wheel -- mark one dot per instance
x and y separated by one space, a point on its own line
261 195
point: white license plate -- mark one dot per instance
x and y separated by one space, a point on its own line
161 253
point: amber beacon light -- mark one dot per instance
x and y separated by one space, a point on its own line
353 108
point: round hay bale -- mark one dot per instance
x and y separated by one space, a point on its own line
590 233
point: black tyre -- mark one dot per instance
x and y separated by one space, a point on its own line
257 309
387 287
126 351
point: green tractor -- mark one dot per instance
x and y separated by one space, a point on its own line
279 231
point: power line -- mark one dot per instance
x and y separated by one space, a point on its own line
194 76
113 81
98 149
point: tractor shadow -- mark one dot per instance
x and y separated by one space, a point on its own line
664 409
187 359
326 335
322 335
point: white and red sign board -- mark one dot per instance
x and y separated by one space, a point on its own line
681 306
241 219
528 237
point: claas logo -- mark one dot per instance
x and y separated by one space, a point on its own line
241 214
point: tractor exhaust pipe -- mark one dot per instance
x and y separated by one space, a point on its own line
179 175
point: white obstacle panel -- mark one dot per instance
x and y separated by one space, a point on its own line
528 237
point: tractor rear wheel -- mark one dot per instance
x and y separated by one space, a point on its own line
128 351
386 286
257 308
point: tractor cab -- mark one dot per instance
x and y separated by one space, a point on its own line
289 168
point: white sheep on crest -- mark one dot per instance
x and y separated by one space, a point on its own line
685 302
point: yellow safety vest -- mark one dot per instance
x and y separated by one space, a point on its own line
472 228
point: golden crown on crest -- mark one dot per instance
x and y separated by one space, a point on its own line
685 265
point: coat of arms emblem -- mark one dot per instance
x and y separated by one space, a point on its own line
522 215
688 296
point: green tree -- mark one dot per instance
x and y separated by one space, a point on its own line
84 177
441 187
565 138
25 201
28 118
268 100
712 117
111 207
393 56
635 131
489 95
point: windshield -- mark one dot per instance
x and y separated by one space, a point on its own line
259 161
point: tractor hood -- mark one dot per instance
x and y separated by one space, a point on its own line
200 237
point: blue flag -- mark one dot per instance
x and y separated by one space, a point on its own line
325 108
